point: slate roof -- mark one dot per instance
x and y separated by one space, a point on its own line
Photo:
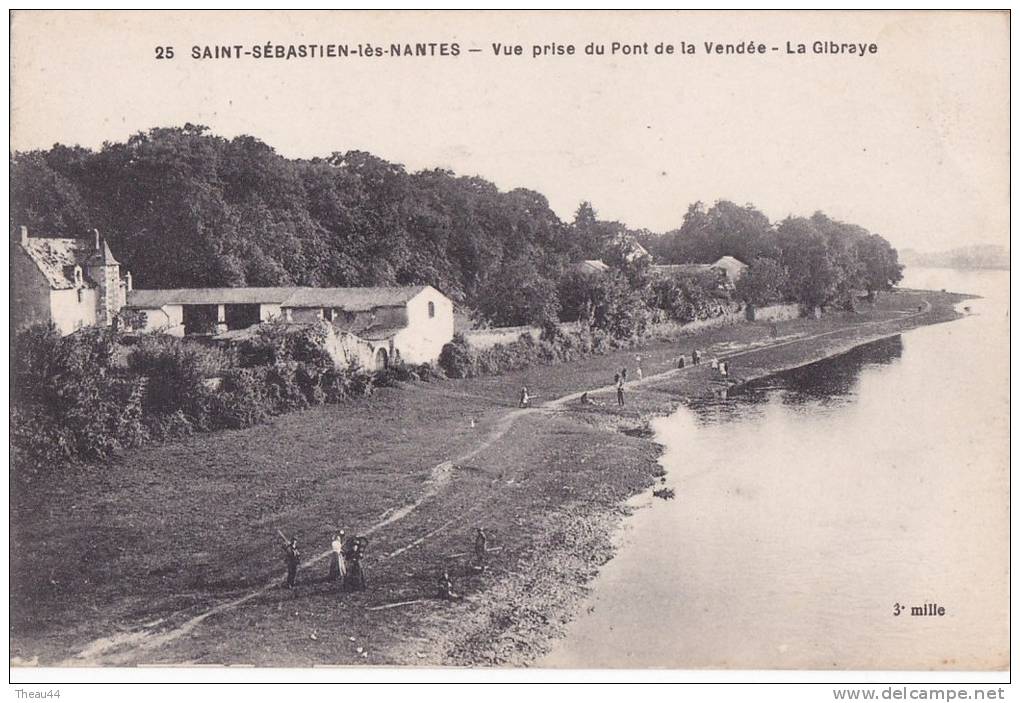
352 299
157 298
56 259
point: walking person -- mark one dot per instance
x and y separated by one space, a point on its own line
337 568
292 556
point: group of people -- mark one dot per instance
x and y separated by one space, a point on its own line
345 565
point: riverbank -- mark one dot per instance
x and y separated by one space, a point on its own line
175 556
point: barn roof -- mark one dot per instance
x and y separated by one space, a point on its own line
352 299
157 298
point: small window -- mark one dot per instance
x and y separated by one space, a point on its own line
81 295
327 314
432 309
78 278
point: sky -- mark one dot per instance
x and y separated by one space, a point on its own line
911 142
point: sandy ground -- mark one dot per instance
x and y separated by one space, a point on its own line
169 554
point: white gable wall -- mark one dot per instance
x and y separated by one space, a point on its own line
423 338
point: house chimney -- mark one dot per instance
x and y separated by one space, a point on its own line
96 232
24 234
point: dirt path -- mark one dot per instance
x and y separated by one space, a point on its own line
121 648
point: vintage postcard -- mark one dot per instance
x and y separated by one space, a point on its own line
562 340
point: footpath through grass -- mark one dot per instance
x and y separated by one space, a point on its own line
164 554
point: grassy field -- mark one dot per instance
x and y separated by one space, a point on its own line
169 554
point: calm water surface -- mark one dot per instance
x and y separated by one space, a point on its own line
812 503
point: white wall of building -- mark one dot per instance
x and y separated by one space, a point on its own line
72 309
168 319
423 338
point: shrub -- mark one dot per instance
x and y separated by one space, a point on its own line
71 399
175 373
457 359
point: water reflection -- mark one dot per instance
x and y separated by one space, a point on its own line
828 383
831 381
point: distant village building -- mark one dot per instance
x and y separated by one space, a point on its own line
590 267
373 326
72 283
727 268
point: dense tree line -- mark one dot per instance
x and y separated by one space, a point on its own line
182 208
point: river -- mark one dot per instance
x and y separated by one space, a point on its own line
810 505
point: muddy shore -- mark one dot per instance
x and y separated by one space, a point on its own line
178 560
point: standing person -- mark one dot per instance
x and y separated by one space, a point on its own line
619 393
354 551
616 378
623 374
696 357
637 360
336 559
525 398
723 369
292 556
681 362
481 548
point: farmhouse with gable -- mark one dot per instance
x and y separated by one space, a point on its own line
77 283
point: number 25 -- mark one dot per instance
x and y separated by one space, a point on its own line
164 52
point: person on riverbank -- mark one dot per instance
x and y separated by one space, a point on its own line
481 548
623 374
525 398
337 566
637 361
681 362
293 557
695 357
354 552
619 392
